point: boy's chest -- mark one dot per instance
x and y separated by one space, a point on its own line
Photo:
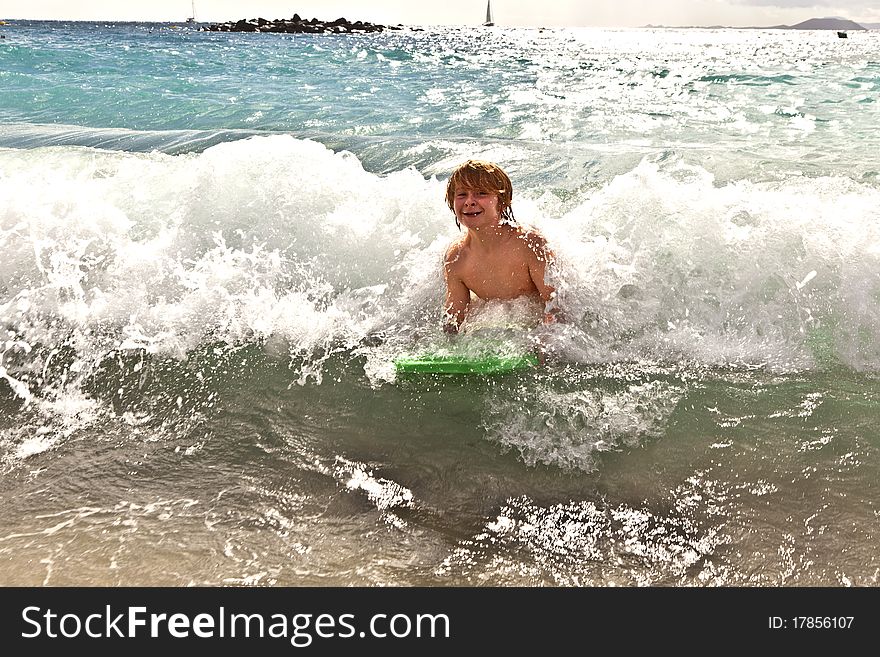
496 276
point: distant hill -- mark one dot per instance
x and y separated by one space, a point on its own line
824 24
831 23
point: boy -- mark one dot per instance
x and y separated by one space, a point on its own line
496 258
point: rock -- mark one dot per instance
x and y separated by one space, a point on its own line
298 25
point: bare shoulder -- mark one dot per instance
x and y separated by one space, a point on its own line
536 242
453 253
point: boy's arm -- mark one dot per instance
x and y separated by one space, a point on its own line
458 297
543 259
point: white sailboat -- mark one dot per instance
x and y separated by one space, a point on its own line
489 22
192 16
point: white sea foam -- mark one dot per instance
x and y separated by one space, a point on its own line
279 238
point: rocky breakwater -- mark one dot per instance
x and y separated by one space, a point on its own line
297 25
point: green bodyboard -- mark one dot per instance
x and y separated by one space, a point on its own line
464 364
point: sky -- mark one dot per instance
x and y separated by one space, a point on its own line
511 13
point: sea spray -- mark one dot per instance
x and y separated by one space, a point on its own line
245 242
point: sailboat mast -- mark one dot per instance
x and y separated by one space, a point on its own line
489 22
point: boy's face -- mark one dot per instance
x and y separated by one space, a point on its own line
476 209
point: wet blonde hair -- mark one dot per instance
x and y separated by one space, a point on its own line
482 177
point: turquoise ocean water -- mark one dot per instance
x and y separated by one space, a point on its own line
213 246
